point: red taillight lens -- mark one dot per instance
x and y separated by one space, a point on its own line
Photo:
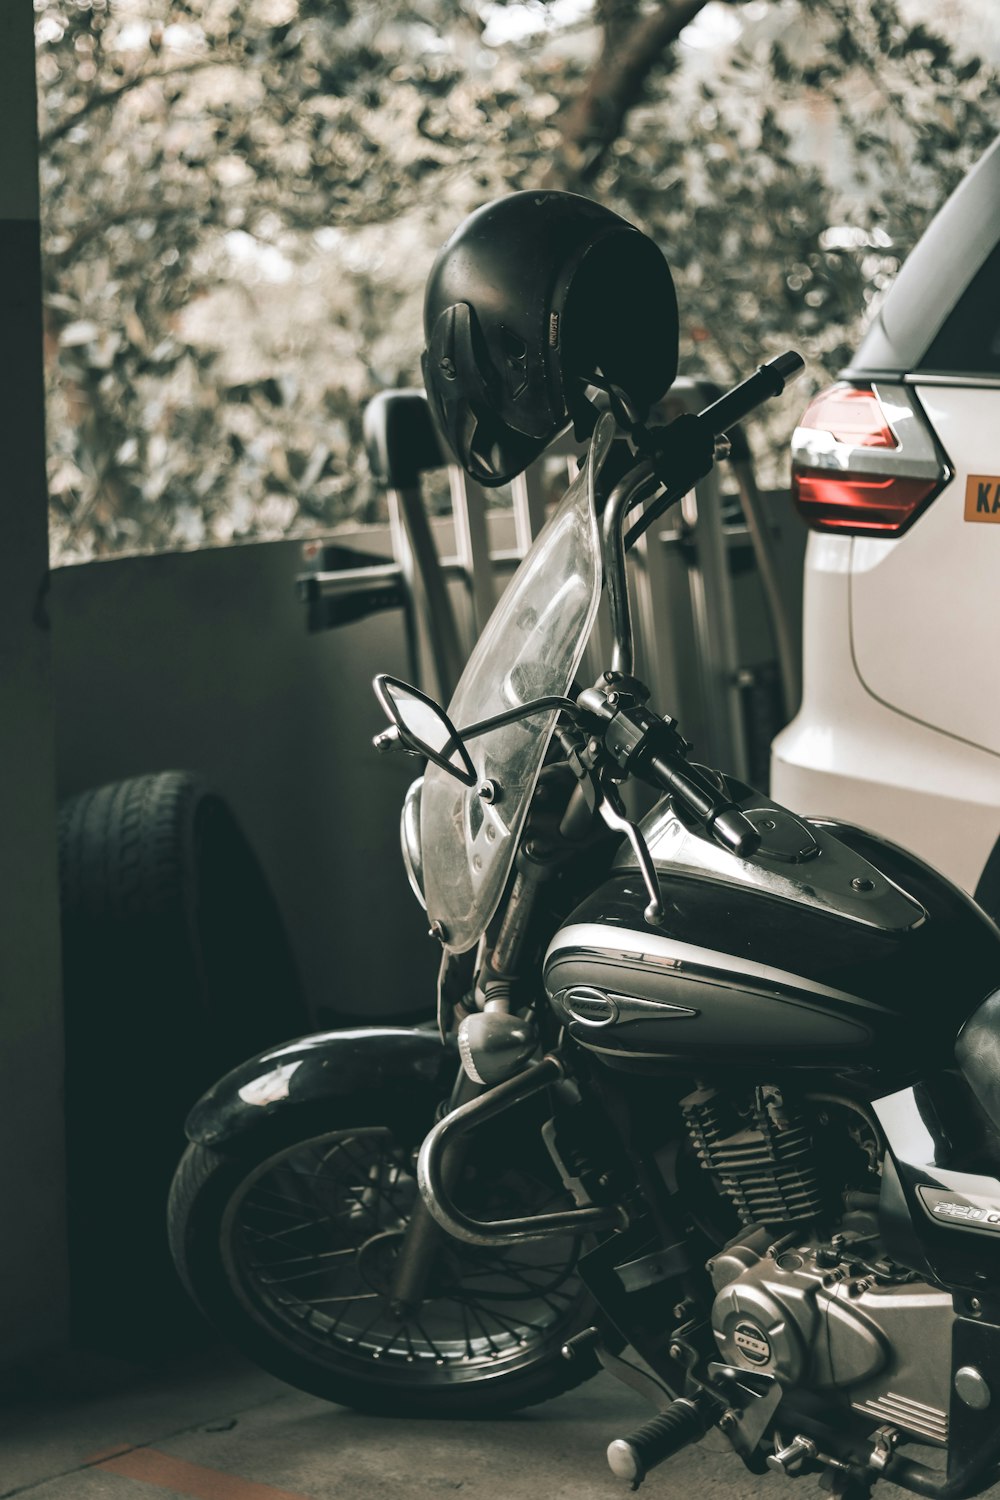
858 503
850 415
851 473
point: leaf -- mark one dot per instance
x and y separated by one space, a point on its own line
75 335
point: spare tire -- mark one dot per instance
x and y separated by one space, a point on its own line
176 966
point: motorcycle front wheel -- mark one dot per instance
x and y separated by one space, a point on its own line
290 1251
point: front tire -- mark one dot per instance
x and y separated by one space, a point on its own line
289 1250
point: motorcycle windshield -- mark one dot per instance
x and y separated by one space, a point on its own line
531 648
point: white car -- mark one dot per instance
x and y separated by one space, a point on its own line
897 472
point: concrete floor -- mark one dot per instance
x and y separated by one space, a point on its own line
215 1428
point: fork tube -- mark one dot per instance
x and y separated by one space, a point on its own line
504 961
424 1234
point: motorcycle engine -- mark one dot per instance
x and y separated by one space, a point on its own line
804 1292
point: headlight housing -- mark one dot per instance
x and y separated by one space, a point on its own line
409 839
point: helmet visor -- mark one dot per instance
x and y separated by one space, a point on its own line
460 401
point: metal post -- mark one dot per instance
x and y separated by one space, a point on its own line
472 544
715 626
418 559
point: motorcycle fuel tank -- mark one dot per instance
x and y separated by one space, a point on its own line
828 948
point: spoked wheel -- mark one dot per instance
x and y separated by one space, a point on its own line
296 1259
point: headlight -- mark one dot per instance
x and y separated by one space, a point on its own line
409 838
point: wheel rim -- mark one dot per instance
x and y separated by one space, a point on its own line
310 1240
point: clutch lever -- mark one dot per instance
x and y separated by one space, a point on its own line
613 813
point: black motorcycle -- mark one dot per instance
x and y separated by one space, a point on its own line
695 1109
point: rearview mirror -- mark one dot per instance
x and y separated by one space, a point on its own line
425 728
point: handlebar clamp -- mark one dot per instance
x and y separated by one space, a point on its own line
642 743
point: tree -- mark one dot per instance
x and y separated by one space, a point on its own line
634 43
242 198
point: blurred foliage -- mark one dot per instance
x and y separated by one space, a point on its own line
241 200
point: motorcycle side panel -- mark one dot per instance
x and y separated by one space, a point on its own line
936 1216
744 977
302 1078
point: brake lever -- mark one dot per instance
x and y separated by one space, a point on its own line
612 810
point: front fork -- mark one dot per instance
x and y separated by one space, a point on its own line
501 1049
423 1236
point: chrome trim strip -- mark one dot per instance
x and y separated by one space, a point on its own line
988 382
627 1003
621 1008
918 1407
669 953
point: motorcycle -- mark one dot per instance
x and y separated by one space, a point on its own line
693 1111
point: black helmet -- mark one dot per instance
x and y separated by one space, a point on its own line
532 298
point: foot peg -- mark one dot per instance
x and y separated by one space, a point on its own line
790 1460
632 1458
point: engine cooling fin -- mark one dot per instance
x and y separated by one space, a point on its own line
927 1422
763 1162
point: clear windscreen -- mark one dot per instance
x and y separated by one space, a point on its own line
531 648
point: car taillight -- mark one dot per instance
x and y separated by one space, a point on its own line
852 415
864 461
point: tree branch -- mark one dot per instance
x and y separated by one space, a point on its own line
111 96
153 208
632 45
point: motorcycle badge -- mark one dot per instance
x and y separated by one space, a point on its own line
972 1212
752 1343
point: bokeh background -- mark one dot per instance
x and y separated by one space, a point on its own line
242 198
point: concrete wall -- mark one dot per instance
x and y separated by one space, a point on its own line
33 1295
202 661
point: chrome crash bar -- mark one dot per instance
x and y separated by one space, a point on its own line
433 1177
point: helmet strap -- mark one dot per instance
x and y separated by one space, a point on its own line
627 413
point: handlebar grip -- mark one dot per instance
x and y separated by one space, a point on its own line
723 819
720 416
769 380
735 832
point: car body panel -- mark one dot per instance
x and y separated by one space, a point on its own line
923 606
847 755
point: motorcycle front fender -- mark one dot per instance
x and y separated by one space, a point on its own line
303 1085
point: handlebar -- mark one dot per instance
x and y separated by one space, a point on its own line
643 744
667 768
767 381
